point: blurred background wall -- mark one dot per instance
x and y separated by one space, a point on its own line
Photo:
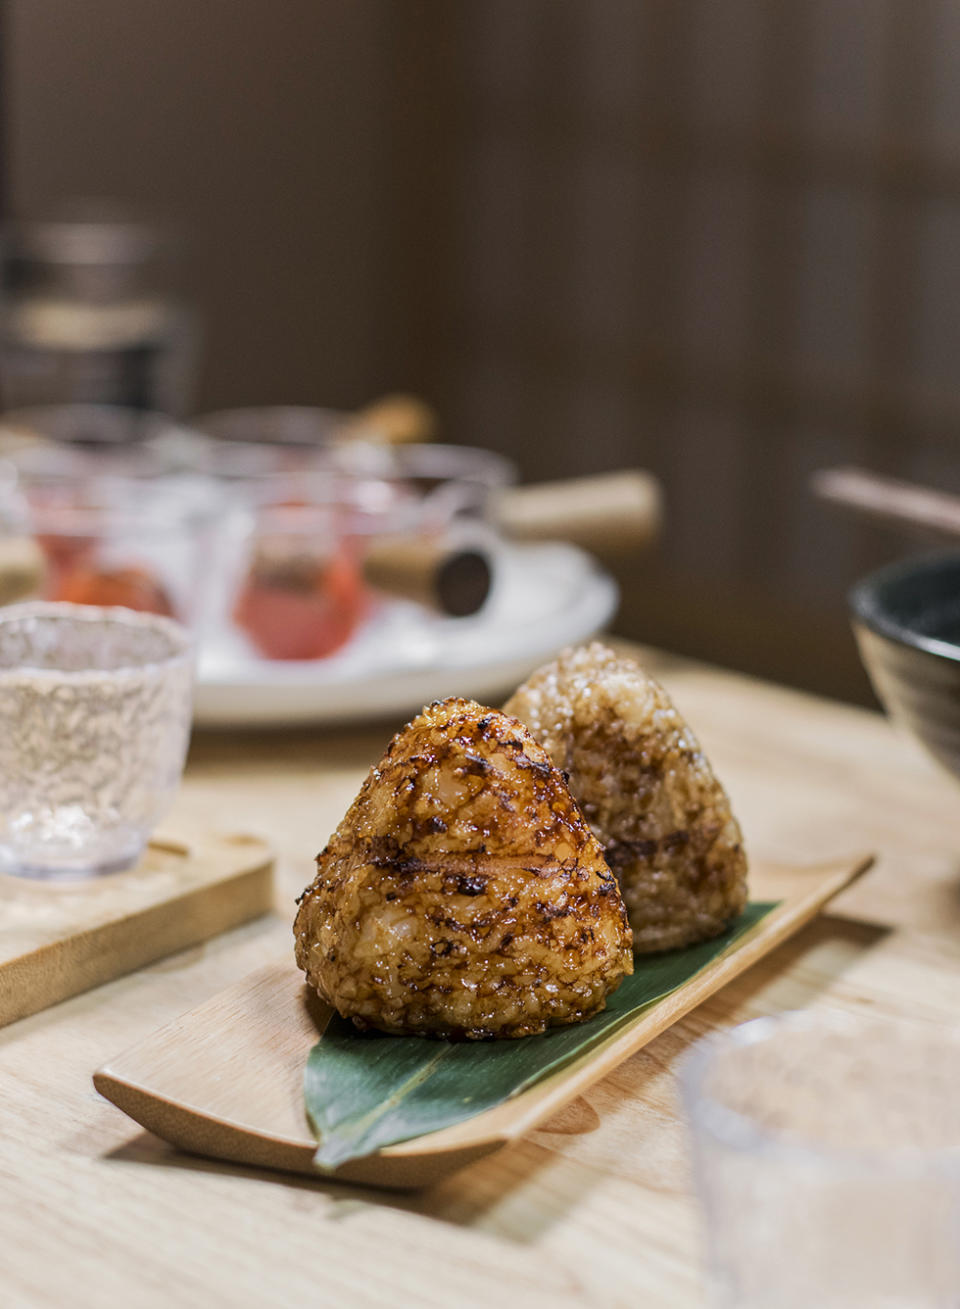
721 241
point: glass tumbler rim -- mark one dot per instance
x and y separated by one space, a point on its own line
741 1132
140 519
49 422
181 649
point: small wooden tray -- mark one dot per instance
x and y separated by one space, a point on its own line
60 938
227 1079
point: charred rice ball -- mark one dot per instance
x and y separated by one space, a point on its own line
647 790
464 895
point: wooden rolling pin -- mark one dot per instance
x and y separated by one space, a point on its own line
890 500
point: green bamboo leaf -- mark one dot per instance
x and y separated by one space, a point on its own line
365 1091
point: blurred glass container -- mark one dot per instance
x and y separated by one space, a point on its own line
300 592
290 427
89 314
259 546
295 580
115 538
95 429
95 708
287 438
308 508
456 479
262 441
827 1157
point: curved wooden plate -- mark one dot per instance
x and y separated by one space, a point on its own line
226 1080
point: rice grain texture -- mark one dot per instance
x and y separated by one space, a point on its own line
464 894
647 790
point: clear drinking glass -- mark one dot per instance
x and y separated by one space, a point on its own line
827 1158
95 708
135 439
113 530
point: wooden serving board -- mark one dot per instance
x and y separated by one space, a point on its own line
60 938
226 1080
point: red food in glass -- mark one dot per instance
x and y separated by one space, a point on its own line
300 607
65 551
131 588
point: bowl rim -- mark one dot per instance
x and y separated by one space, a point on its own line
863 602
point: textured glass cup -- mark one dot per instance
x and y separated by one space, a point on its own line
827 1157
95 708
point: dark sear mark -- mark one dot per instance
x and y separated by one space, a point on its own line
676 841
621 853
550 911
473 885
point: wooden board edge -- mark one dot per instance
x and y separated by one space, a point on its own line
121 946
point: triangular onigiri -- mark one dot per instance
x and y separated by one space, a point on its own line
647 790
463 893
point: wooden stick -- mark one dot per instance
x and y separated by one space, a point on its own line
613 513
889 500
452 580
392 420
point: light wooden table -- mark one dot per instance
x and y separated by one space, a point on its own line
594 1209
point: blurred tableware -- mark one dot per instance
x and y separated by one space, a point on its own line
906 618
94 723
391 420
933 513
118 541
543 597
610 514
464 477
448 578
827 1158
134 438
299 591
90 313
891 501
395 419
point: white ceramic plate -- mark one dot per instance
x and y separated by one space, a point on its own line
544 597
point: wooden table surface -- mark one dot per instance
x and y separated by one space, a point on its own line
595 1208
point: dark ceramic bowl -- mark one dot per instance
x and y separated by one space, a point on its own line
907 622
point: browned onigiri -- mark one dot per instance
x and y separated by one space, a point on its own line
463 894
647 790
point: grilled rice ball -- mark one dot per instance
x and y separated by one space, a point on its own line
647 790
463 895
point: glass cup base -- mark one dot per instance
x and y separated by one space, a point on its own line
39 866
